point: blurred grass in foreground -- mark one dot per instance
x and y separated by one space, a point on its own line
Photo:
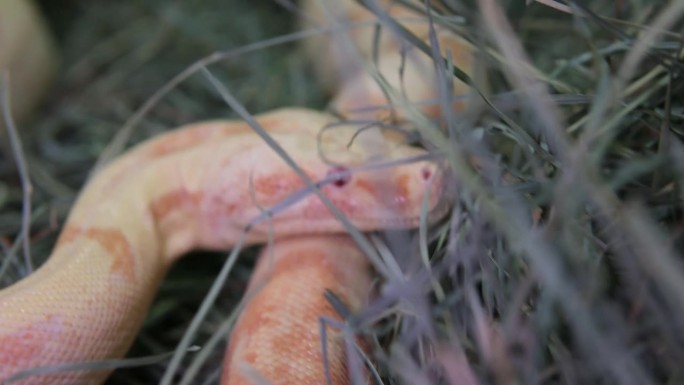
562 260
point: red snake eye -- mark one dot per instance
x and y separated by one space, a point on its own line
426 173
340 176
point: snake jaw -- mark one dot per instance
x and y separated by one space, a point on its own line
370 200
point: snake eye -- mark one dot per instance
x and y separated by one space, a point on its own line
339 175
426 173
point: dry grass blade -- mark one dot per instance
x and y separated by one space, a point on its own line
27 188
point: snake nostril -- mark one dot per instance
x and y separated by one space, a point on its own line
340 176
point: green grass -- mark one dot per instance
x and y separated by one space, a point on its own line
590 145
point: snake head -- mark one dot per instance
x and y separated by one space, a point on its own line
237 181
371 177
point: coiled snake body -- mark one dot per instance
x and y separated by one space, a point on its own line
200 186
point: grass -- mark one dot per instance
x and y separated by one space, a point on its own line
561 262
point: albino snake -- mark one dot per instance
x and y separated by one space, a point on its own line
198 187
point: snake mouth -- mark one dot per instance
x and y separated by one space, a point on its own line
333 225
363 220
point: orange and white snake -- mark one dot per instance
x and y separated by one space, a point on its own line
202 186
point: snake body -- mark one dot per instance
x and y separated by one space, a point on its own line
290 279
200 187
196 187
